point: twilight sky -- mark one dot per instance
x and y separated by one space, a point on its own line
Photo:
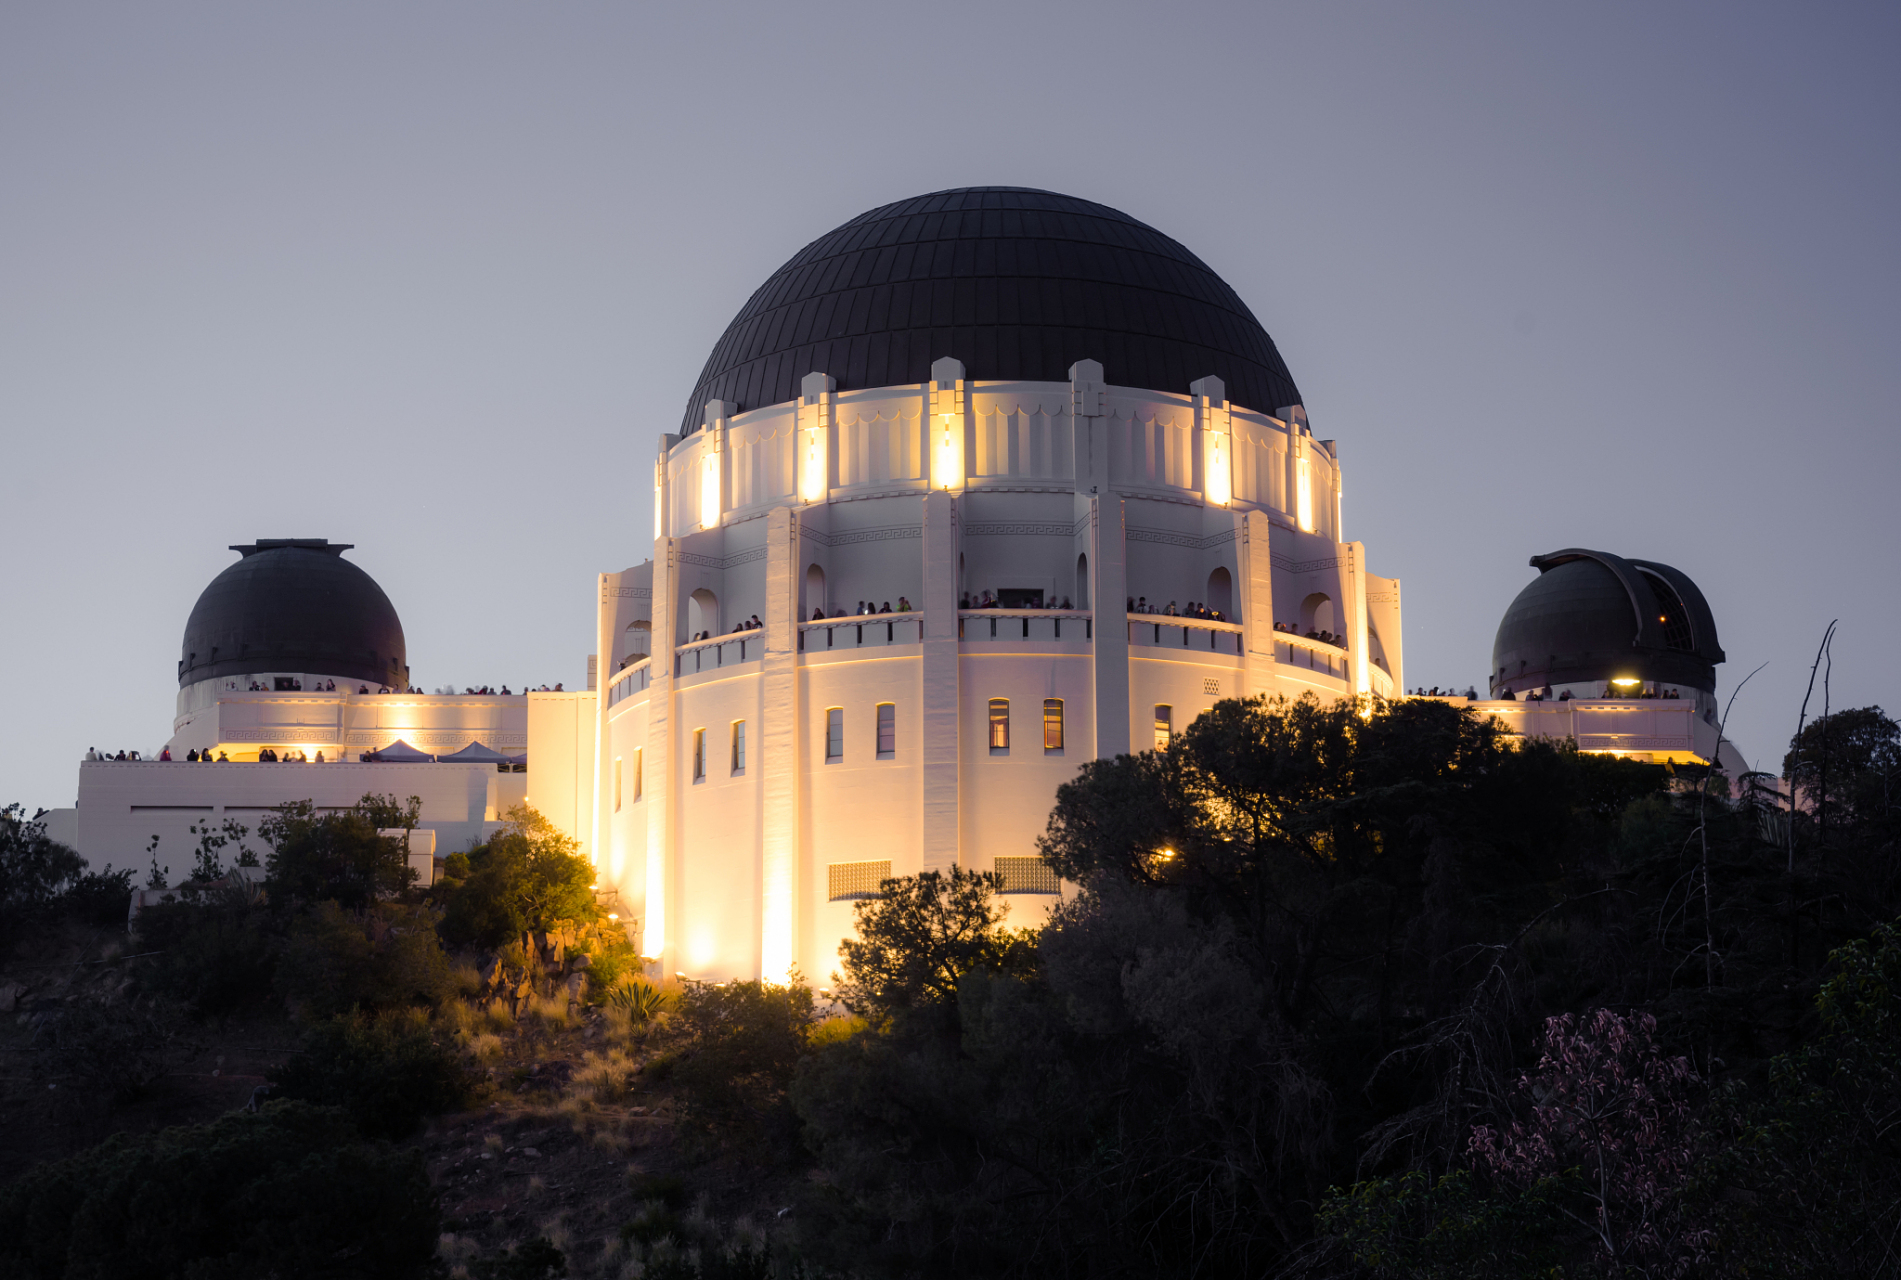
432 278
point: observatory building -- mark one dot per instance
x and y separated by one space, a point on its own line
979 486
1070 472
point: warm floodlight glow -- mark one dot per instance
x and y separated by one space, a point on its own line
1304 502
709 488
1625 680
946 453
812 467
1220 483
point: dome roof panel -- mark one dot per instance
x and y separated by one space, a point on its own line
294 605
1016 283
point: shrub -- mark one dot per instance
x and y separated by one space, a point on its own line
336 856
217 949
638 1000
102 898
536 1259
385 1072
743 1044
527 877
290 1192
383 957
109 1051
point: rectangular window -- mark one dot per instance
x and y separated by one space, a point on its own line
1052 724
617 770
739 746
699 755
887 730
1164 716
637 757
999 724
835 733
1026 875
847 880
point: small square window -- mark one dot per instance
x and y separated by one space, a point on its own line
1052 724
835 733
887 730
1164 722
999 724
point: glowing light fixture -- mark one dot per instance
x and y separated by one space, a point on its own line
1304 501
709 487
946 452
1625 682
812 466
1220 481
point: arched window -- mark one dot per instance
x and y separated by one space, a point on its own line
814 597
1082 581
1316 613
702 613
1220 595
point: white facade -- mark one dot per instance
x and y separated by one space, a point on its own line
742 861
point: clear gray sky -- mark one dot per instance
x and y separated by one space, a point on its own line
432 278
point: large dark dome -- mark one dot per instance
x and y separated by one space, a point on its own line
1016 283
1590 616
294 605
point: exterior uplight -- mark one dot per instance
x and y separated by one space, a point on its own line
1625 681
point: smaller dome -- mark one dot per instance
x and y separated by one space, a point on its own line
1590 617
294 605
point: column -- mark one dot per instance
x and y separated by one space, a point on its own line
1256 593
661 911
1108 590
939 693
779 738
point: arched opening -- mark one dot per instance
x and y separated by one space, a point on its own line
1220 595
814 595
1082 581
702 613
1316 613
639 641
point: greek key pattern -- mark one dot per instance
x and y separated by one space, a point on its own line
993 529
1306 566
716 562
627 593
1166 538
279 735
1382 597
887 534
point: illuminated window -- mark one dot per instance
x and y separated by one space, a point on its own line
699 755
739 746
1052 724
637 778
1026 875
1164 722
999 724
887 730
835 733
617 770
847 880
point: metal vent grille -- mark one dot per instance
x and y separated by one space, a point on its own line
846 880
1026 875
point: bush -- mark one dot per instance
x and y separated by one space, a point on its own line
217 949
33 867
385 1072
525 879
102 898
336 856
290 1192
384 957
108 1052
638 1000
743 1045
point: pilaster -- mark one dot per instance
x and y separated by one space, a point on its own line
659 785
942 783
1108 566
1256 563
779 933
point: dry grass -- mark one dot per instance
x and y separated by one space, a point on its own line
485 1046
603 1077
552 1012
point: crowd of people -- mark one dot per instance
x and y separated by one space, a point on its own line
1322 635
866 608
989 600
1470 693
1610 691
1194 609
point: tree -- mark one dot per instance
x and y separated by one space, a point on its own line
525 878
335 856
919 936
387 1072
34 867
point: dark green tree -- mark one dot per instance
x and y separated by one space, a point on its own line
524 878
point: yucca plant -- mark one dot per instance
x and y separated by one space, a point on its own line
640 1000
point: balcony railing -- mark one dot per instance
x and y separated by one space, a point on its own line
632 679
861 631
1162 631
720 651
1025 624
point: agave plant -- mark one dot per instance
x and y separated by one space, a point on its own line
638 998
